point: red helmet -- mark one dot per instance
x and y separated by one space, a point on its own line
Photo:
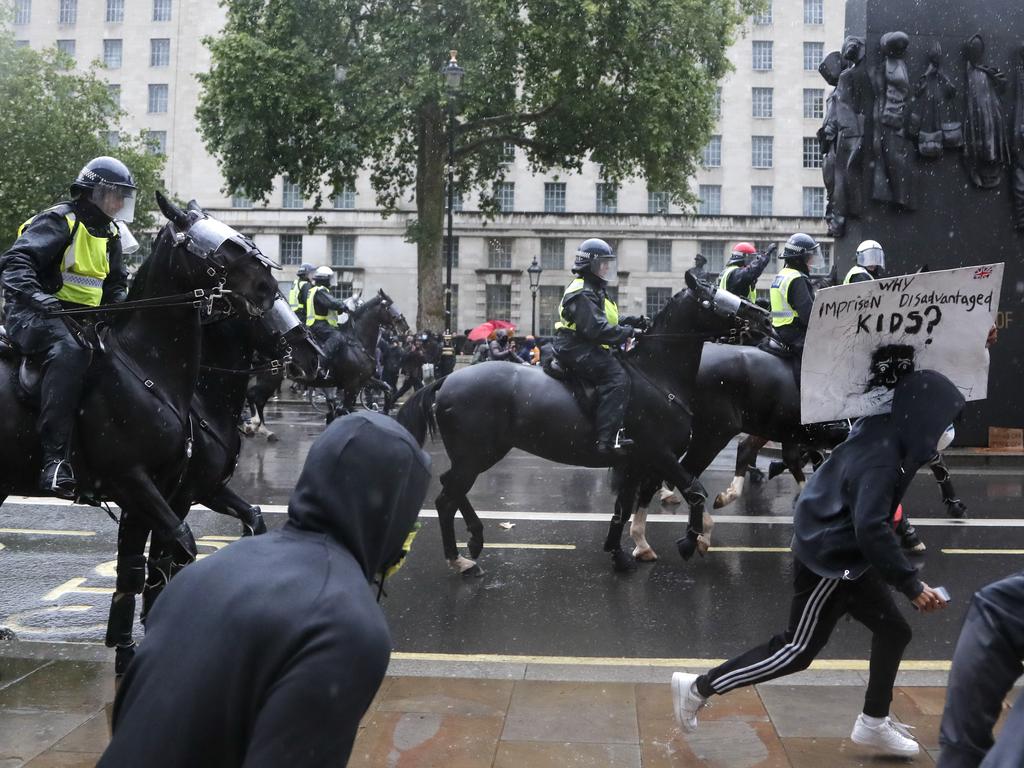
742 253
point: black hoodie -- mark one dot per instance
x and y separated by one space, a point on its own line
843 522
269 652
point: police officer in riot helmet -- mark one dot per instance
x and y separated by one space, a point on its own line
322 308
870 263
792 294
65 257
300 291
588 329
744 268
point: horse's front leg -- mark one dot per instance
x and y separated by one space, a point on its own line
643 551
625 503
129 583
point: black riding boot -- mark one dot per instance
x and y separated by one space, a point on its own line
64 369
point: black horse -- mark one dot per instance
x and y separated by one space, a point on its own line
484 411
132 435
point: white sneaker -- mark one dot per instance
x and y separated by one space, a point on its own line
686 702
893 738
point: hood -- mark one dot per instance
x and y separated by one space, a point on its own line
362 484
924 404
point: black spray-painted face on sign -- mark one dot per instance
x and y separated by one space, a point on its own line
889 364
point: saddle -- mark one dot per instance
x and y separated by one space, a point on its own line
30 371
584 392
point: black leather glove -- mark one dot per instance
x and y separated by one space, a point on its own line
46 302
771 250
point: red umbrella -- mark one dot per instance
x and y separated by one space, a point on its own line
484 330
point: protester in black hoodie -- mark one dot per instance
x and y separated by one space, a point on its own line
268 653
847 558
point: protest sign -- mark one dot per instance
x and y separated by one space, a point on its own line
862 337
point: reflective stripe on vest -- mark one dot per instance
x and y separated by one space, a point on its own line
723 280
611 309
856 270
331 318
84 265
782 311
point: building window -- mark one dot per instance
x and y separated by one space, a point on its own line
113 139
290 250
115 11
657 298
156 142
814 202
812 152
239 200
499 253
761 101
506 196
814 103
157 99
345 199
114 92
454 322
714 252
764 18
552 253
713 153
22 12
66 47
112 51
762 55
343 250
342 290
761 201
161 10
291 195
67 12
814 12
159 52
813 54
825 263
606 198
657 202
508 152
549 301
554 197
716 103
499 302
762 151
710 200
456 200
455 251
659 255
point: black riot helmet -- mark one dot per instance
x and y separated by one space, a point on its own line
107 183
801 247
594 257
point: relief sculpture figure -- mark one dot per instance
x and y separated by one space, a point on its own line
893 177
853 99
1018 147
936 126
986 150
830 69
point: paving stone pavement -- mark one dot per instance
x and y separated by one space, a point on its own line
55 713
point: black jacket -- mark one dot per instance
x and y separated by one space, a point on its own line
586 310
801 294
741 280
268 653
33 263
324 301
843 522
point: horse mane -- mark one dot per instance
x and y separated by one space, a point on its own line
140 279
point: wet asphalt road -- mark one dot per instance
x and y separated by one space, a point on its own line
557 597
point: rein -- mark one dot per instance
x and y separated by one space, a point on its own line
274 366
196 298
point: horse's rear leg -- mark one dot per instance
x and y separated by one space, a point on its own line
130 582
746 456
625 503
643 551
454 488
227 502
474 525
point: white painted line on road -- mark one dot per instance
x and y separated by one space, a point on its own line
489 545
46 532
982 551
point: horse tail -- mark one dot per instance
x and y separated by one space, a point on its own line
417 415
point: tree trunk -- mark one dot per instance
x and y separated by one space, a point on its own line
430 210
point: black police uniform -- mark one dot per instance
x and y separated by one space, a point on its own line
740 281
324 302
801 298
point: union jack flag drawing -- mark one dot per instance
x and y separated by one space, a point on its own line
982 272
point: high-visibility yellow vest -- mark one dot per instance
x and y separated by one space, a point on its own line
782 311
723 283
611 309
84 265
331 318
855 270
293 296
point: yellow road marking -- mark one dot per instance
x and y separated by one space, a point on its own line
488 545
835 665
45 532
74 586
982 551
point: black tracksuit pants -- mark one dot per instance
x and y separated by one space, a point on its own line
986 664
598 366
817 606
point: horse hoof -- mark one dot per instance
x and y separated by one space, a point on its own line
623 562
687 545
703 544
255 525
956 508
720 501
185 542
645 555
123 656
474 571
272 438
465 566
669 497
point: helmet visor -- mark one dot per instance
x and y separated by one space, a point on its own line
871 257
115 200
813 256
604 267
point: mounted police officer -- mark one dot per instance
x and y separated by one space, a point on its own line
588 328
300 291
67 256
740 275
792 294
870 263
321 307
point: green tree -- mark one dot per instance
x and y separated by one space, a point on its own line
316 89
55 120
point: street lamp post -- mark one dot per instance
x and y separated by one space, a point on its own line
453 81
534 271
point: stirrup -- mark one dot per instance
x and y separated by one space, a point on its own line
621 442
